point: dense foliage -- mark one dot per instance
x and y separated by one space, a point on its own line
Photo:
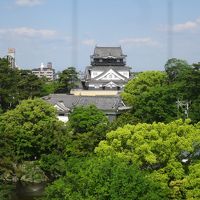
157 157
154 95
17 85
27 132
89 126
166 151
104 178
68 79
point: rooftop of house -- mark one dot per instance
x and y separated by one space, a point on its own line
105 103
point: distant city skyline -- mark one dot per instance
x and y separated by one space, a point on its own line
65 32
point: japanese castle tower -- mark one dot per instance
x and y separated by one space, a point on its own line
108 70
102 82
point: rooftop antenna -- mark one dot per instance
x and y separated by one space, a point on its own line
42 66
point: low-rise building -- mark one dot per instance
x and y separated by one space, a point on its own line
43 71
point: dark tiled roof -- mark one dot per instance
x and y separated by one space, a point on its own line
108 51
67 100
101 102
98 68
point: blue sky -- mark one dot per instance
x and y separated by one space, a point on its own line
45 30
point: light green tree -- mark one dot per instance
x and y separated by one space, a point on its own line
143 82
151 98
165 150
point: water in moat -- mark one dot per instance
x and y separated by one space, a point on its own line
28 191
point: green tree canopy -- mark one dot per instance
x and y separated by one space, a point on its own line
17 85
104 178
29 85
28 132
175 68
89 126
165 150
9 78
154 96
87 118
68 79
143 82
150 97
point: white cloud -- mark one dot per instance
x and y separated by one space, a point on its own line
146 41
185 26
181 27
28 2
89 42
29 32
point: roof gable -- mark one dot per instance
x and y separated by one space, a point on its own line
110 75
111 85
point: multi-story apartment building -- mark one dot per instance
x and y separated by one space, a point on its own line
43 71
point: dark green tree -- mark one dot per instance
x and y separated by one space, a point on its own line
175 68
9 78
87 118
89 126
187 85
29 85
17 85
68 79
158 104
104 178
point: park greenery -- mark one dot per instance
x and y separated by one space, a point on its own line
150 152
164 96
18 84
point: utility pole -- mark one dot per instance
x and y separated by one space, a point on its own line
184 106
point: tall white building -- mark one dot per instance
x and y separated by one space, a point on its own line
11 57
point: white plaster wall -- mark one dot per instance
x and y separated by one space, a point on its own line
95 73
63 118
124 73
109 77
